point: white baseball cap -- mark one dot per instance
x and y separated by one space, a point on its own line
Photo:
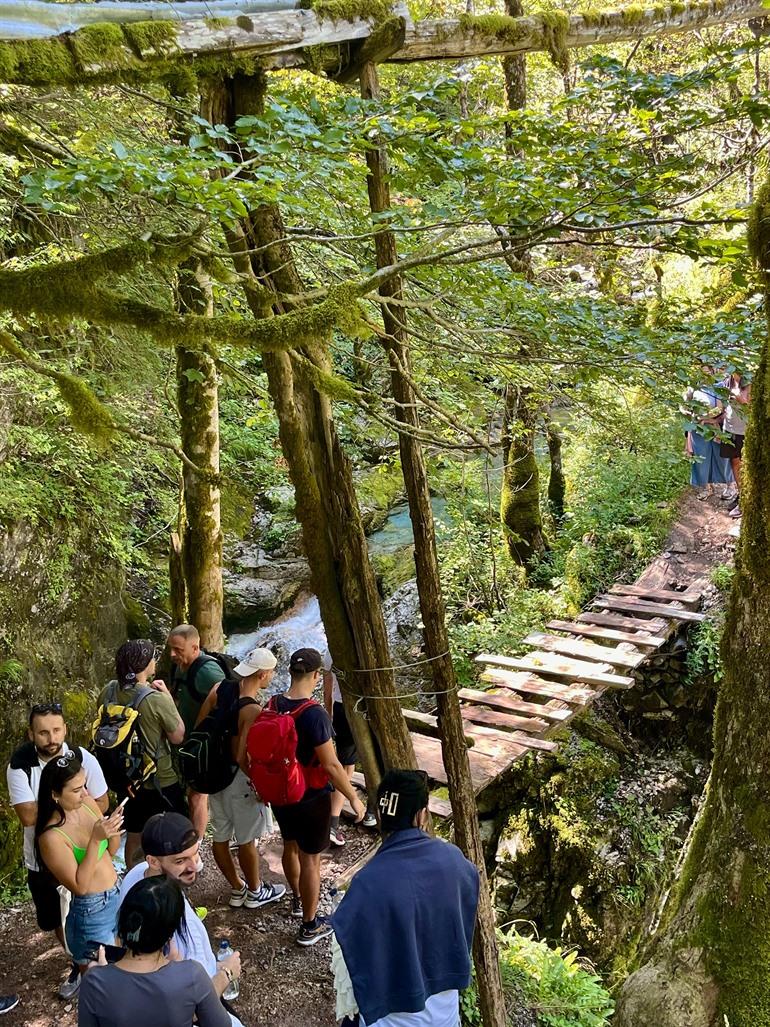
256 660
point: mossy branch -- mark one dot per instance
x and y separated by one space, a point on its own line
87 414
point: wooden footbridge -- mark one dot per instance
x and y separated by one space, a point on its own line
566 669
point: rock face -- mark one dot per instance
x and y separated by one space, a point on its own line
259 588
404 626
590 839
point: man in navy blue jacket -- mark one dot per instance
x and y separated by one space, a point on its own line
405 926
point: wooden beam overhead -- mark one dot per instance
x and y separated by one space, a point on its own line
278 38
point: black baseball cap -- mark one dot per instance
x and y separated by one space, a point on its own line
401 794
167 834
305 661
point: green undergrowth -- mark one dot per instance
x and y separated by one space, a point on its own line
559 989
704 656
623 484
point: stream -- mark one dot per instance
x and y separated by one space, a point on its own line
301 626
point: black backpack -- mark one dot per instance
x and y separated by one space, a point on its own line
205 756
224 660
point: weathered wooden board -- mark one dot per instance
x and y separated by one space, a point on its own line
531 684
508 702
556 666
641 607
641 640
484 768
504 721
426 724
660 595
584 650
484 735
655 625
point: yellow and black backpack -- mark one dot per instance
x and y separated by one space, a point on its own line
118 745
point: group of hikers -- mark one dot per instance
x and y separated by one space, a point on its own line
718 410
208 748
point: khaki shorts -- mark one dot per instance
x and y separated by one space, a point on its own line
237 812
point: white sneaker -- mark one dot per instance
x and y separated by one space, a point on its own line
238 897
336 837
265 894
369 820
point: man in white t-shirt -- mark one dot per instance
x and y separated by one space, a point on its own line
47 733
170 844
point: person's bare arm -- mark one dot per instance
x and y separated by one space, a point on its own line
328 693
327 757
176 736
208 704
27 813
60 859
102 802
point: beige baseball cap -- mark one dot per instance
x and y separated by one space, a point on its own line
256 660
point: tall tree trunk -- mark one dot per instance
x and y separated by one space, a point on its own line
326 502
198 401
708 965
520 495
453 748
556 483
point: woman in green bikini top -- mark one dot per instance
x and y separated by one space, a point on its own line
75 842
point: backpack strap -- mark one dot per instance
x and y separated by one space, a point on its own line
298 710
192 673
25 758
142 693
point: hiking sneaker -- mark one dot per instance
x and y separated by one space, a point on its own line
71 986
9 1002
264 894
735 512
238 896
310 935
336 837
369 819
296 906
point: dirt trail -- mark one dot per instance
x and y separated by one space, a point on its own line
283 985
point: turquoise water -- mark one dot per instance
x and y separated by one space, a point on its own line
396 532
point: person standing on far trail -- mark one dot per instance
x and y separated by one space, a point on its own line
705 410
734 427
193 676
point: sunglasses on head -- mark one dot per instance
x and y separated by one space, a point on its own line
42 708
64 760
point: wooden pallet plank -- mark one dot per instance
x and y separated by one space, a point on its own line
586 650
615 620
661 595
484 768
607 634
426 724
542 711
530 684
551 664
641 607
482 735
504 721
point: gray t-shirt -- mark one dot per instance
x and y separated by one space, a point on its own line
170 997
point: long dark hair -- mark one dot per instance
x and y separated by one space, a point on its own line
132 658
151 914
56 774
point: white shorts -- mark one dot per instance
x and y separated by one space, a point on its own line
237 812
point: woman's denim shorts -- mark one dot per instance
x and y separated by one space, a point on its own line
91 918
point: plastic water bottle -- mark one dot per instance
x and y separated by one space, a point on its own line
233 988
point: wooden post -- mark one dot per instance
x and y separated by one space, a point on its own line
451 726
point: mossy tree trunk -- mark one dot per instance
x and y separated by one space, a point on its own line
708 965
520 514
453 747
556 483
326 502
201 531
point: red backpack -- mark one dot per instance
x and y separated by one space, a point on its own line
276 773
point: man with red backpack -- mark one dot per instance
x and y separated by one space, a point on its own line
293 765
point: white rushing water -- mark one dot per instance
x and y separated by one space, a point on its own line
300 628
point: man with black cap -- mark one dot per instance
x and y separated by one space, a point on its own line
405 926
305 824
170 844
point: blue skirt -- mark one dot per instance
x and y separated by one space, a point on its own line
707 466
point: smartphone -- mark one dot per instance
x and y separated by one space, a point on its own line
120 805
112 952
